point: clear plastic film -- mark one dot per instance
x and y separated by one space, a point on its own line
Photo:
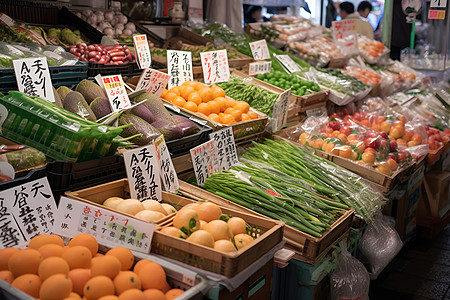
380 243
350 280
372 51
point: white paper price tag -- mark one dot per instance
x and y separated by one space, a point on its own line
260 50
169 176
205 161
280 111
225 148
259 67
289 64
26 211
143 173
108 227
115 90
33 77
153 81
215 66
144 58
179 66
342 29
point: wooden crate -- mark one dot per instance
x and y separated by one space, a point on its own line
434 155
307 248
268 234
384 183
303 103
240 129
98 194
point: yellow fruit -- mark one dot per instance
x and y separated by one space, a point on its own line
208 211
241 240
149 215
154 205
173 231
224 246
237 225
219 230
202 237
55 287
112 202
168 208
130 206
186 220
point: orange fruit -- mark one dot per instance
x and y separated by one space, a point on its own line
127 280
223 103
189 83
208 211
199 85
51 250
170 96
138 266
152 276
164 93
78 257
173 293
179 101
236 113
191 106
132 294
124 255
217 91
176 90
154 294
203 108
237 225
392 164
252 114
242 106
28 283
73 296
107 265
97 287
245 117
195 97
5 254
206 94
51 266
345 151
109 297
85 240
166 287
55 287
41 240
24 262
219 229
99 255
79 278
214 107
93 260
7 276
186 91
215 118
227 119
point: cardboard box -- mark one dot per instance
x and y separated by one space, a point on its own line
435 200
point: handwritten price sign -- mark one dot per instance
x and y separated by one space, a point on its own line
142 51
342 29
115 90
215 66
260 50
153 81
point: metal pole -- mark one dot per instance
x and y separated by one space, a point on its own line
387 22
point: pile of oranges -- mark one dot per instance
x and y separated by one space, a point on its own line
49 270
209 101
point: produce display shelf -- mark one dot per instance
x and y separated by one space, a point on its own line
307 248
269 233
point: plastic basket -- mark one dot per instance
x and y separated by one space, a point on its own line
30 176
30 11
128 69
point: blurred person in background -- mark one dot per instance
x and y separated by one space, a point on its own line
347 12
365 10
331 13
252 14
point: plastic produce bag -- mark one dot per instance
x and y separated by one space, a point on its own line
380 243
350 280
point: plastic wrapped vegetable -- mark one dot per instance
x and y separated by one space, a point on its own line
350 280
24 159
380 243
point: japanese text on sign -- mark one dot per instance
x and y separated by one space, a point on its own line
436 14
144 58
225 148
205 161
153 81
30 206
259 67
109 228
143 173
168 174
280 111
115 90
260 50
438 3
288 63
179 66
33 77
342 29
215 66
